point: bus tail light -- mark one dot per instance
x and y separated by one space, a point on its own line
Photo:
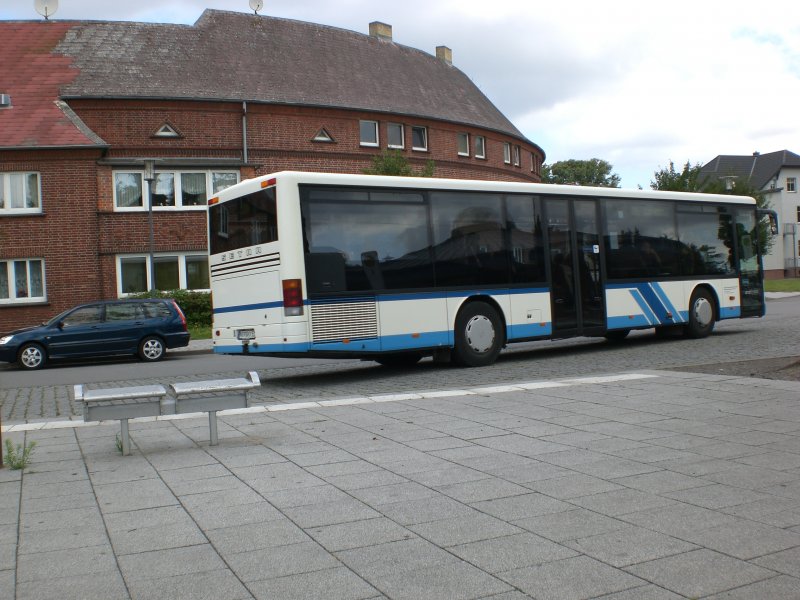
292 297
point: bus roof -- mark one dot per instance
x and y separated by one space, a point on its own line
301 177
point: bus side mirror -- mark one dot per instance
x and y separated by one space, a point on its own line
772 216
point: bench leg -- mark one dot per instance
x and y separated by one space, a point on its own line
212 427
126 440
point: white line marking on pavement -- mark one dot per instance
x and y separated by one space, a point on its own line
485 390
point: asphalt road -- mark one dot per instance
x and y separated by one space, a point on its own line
45 394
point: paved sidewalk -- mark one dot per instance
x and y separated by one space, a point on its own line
651 485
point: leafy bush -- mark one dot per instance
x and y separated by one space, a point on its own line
195 305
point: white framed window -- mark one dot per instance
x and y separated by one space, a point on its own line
184 271
20 193
507 153
172 190
480 146
463 144
395 135
419 138
791 184
22 281
369 133
516 156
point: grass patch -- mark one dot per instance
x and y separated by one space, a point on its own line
782 285
18 457
200 332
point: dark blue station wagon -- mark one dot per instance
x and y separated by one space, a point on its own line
144 328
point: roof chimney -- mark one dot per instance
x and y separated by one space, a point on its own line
382 31
444 53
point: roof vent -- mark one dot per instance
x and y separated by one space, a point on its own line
380 30
5 101
444 53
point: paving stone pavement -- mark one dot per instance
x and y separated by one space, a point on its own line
648 485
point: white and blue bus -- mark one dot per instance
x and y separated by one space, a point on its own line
392 269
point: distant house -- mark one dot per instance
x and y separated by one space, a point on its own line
777 174
83 103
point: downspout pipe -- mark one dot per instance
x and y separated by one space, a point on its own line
244 131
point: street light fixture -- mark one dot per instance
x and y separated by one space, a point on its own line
150 177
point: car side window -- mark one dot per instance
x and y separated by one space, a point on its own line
86 315
123 312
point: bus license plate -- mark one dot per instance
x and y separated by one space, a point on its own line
245 334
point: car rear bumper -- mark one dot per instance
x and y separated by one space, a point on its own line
177 340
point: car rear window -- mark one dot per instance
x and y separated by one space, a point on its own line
157 310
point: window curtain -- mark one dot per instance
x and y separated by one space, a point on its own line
4 280
129 189
193 187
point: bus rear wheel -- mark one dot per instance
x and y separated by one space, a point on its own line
478 335
701 315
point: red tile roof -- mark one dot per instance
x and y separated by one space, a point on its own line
32 74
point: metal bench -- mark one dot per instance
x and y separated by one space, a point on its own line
213 395
121 403
152 401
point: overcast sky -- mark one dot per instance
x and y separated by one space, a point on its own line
637 83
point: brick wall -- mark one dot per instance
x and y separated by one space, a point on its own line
79 234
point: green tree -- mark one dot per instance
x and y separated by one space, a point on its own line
392 162
581 172
674 181
689 180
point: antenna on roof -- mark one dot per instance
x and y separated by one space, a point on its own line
46 7
256 5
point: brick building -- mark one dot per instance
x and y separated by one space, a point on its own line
83 104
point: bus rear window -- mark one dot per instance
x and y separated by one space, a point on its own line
246 221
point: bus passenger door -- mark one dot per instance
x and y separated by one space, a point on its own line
576 284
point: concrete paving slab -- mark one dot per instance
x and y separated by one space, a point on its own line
646 489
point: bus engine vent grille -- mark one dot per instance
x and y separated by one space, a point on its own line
336 321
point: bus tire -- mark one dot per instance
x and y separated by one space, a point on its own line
478 335
399 360
701 315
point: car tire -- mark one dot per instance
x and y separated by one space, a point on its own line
31 357
152 349
478 335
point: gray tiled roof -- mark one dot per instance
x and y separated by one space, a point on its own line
757 168
238 56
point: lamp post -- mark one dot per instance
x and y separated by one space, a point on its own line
150 177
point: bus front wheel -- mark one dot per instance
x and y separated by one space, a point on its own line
701 315
478 335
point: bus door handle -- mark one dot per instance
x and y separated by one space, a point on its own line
560 301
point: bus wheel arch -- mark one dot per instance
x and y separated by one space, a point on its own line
479 333
703 312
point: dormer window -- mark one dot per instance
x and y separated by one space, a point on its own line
166 131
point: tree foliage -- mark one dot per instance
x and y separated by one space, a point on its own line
392 162
594 171
689 180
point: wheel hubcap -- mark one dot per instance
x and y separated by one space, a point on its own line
703 312
31 357
152 349
480 334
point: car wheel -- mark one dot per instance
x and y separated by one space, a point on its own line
31 356
478 335
701 315
151 348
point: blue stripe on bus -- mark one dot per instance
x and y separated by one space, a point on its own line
730 312
244 307
655 304
676 314
648 314
253 349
